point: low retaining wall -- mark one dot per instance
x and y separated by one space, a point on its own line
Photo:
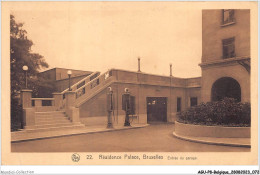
211 131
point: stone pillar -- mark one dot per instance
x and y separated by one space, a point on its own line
70 98
29 118
26 96
74 115
71 110
58 99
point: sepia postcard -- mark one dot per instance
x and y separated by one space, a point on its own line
129 83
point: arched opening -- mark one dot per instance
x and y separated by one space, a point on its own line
225 87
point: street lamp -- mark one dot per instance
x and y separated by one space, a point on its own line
69 74
126 106
110 107
25 69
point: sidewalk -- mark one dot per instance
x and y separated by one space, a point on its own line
24 136
240 142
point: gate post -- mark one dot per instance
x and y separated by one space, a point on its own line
26 96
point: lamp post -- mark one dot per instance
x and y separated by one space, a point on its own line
170 99
25 69
69 74
110 107
126 106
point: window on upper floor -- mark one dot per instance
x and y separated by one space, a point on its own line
228 16
228 46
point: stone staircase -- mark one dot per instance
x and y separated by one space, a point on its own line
53 120
52 117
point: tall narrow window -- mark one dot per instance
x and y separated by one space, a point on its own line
228 16
179 104
193 101
228 47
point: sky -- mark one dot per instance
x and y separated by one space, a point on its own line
100 36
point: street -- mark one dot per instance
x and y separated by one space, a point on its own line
154 138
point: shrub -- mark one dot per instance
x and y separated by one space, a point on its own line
226 112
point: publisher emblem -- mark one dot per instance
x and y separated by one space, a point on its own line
75 157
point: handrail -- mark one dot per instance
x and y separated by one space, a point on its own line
92 81
80 82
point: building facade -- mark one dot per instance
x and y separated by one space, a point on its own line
225 55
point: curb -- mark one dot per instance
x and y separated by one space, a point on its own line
80 133
210 142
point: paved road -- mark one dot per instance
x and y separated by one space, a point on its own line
154 138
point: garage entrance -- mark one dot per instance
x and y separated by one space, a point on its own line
156 109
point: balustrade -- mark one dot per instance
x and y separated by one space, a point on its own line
90 86
37 102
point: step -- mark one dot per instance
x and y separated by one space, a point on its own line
53 125
51 122
42 115
45 108
49 117
58 115
50 112
73 126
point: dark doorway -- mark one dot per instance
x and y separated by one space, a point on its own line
225 87
156 109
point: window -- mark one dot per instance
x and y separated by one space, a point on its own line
228 16
228 47
178 104
193 101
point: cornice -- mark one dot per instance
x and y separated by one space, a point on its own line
223 61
